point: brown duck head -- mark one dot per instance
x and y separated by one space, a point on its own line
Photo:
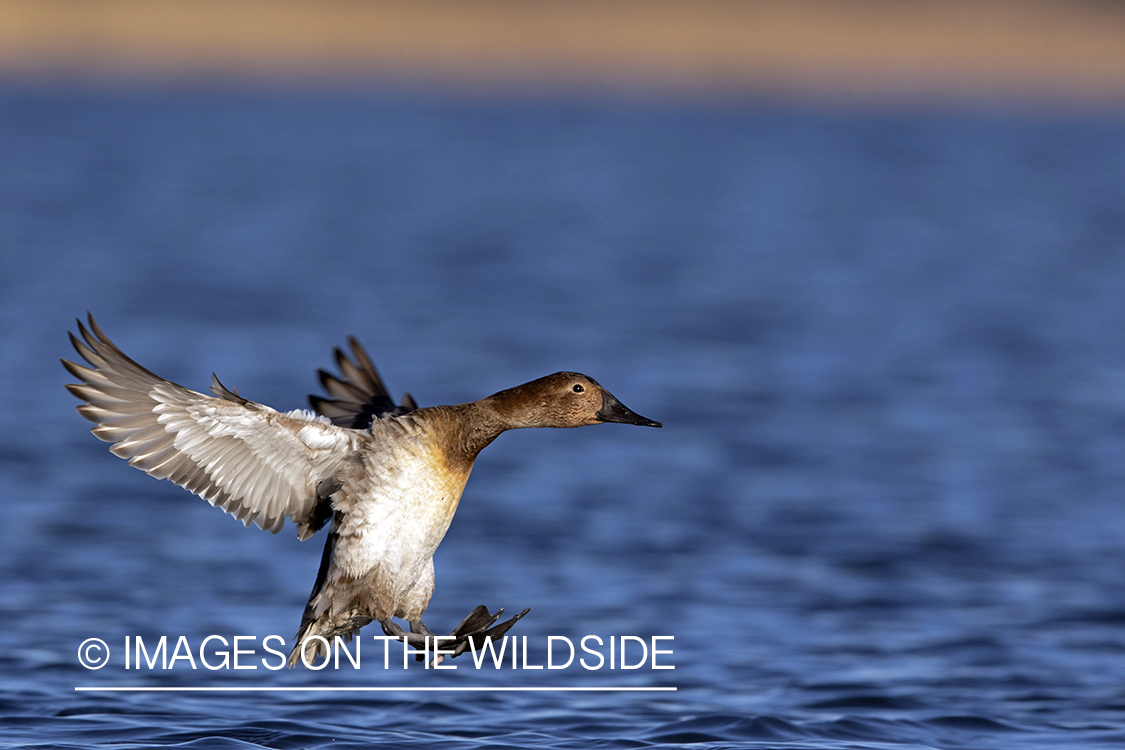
565 399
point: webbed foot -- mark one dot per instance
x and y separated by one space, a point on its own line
478 626
471 633
413 638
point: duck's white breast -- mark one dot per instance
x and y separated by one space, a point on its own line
397 506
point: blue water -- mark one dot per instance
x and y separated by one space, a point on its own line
887 508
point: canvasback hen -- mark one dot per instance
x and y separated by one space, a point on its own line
388 477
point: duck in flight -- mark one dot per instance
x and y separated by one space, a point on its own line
387 478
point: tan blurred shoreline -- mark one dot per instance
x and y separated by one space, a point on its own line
1044 50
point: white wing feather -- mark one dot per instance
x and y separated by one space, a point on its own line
255 463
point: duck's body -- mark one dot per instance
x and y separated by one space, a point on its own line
397 497
388 477
398 493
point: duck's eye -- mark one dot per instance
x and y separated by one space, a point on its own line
578 388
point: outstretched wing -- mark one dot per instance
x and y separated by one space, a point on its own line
255 463
358 396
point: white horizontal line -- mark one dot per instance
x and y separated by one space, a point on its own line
368 689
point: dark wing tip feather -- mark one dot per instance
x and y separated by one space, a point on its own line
97 349
366 366
221 391
71 367
357 395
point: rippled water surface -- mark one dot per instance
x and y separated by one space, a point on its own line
887 508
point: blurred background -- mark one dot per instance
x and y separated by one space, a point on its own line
865 260
867 50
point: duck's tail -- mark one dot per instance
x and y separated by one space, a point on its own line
321 623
